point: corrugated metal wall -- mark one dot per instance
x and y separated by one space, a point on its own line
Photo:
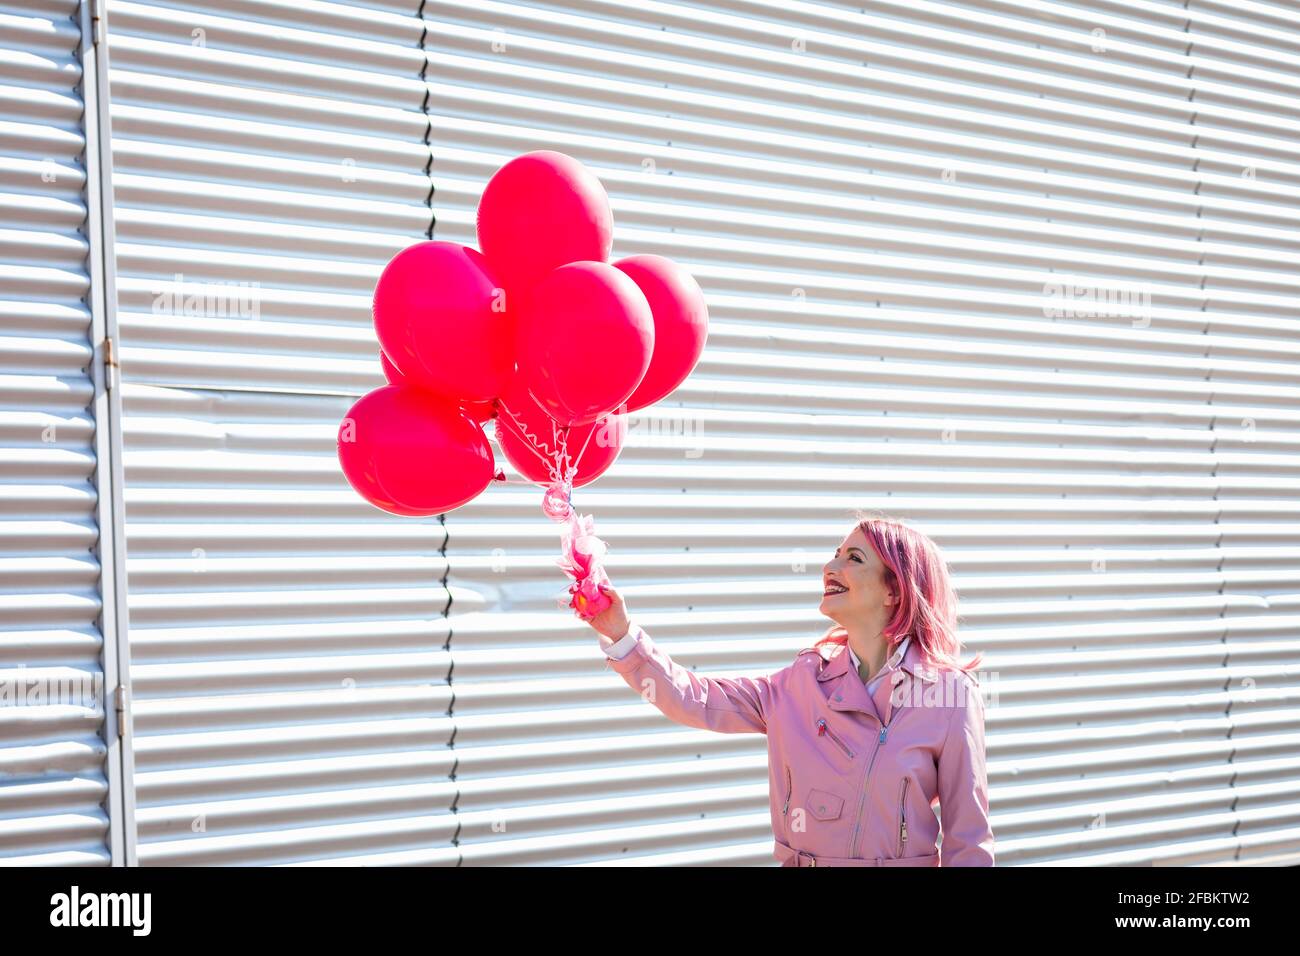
287 638
1245 73
1022 273
54 779
899 212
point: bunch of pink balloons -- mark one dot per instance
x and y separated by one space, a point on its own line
538 330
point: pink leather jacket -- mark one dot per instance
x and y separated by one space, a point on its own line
851 778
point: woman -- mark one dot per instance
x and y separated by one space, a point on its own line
868 728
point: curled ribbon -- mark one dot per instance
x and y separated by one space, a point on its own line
582 553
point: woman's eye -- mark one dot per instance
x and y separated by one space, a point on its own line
857 559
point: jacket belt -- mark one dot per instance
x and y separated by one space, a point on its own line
792 857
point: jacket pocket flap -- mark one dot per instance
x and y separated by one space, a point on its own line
824 805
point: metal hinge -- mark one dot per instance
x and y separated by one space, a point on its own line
110 364
119 703
97 21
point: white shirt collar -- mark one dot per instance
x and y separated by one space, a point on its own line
893 660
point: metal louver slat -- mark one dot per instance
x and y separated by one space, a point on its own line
53 784
893 209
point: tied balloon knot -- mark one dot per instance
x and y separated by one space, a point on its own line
582 553
556 503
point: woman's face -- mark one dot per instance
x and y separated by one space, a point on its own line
856 567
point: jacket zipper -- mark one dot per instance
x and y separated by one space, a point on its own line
902 818
857 821
789 791
824 731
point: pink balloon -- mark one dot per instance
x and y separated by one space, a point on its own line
479 411
593 447
409 453
391 374
440 314
540 211
681 321
586 337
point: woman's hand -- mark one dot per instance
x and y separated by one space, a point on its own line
612 622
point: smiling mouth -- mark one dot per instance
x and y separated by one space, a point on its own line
833 590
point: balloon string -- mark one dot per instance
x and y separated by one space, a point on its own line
583 450
582 553
564 465
561 466
533 444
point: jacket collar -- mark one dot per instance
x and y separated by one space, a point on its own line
893 660
842 663
849 693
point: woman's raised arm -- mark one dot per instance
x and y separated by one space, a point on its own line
729 705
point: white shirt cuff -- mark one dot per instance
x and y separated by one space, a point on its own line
623 646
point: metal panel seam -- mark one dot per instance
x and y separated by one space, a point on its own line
442 518
107 404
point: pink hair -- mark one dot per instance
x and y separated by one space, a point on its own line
927 602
